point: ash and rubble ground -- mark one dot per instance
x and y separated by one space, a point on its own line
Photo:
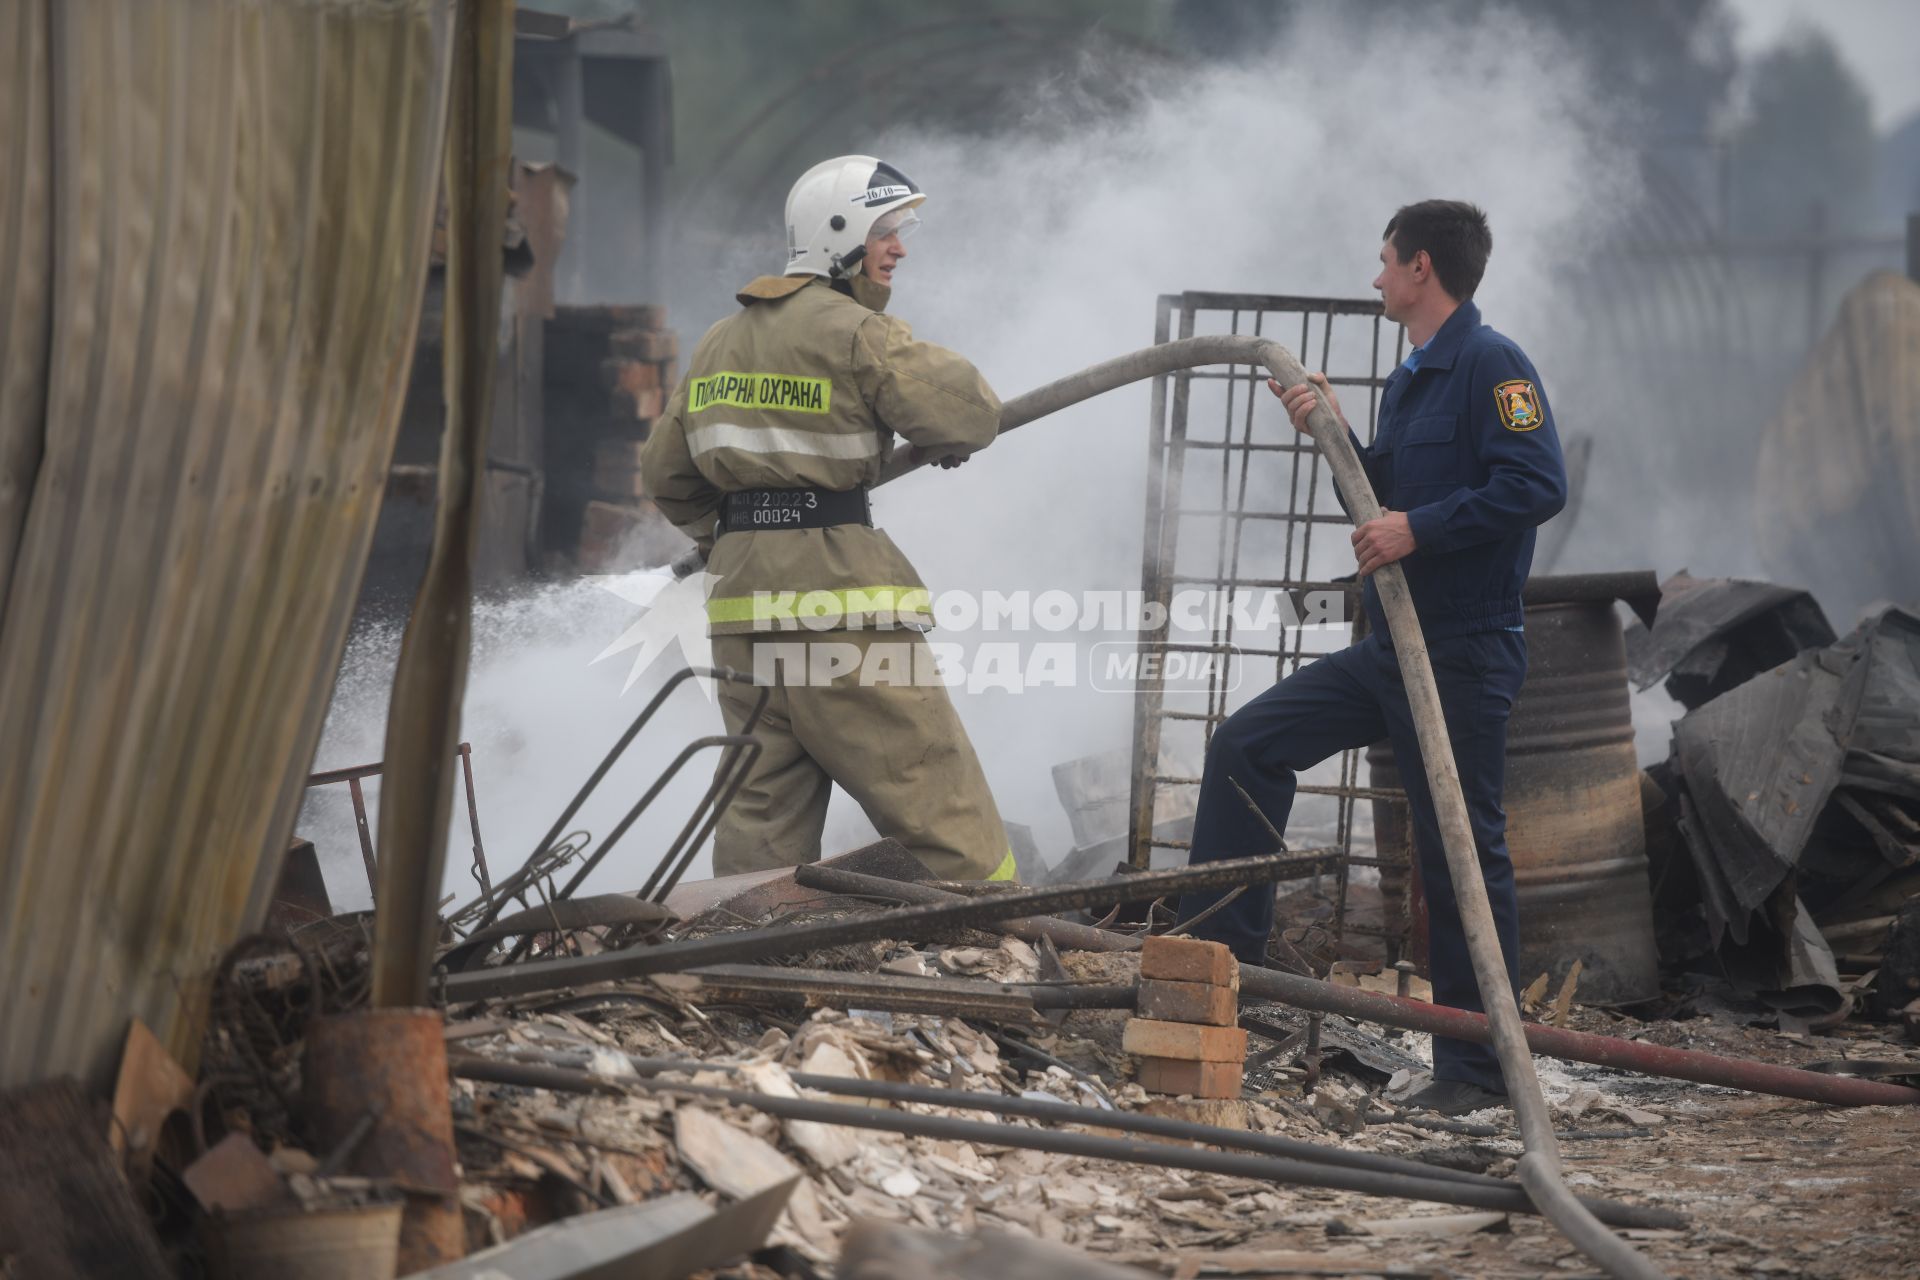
1770 1186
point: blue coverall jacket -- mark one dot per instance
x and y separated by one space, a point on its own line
1467 448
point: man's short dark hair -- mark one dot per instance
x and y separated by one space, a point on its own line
1455 236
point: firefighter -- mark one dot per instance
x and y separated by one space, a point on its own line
764 457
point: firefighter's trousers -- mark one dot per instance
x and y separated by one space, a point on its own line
844 707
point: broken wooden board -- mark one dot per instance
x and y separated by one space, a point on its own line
232 1176
65 1210
151 1086
736 1163
672 1235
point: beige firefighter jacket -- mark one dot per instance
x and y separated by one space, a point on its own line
806 387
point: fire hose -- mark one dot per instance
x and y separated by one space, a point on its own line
1539 1168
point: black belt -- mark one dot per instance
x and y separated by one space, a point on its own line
747 510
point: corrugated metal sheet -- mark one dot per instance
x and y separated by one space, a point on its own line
26 262
243 197
1838 469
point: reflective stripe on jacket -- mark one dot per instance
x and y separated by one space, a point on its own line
806 387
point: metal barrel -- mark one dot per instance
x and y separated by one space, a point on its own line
1574 823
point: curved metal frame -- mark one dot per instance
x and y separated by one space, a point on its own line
517 882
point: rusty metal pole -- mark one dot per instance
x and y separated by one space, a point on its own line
1314 995
1575 1046
473 822
366 836
423 716
391 1059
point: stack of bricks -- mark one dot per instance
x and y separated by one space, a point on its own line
1186 1036
609 372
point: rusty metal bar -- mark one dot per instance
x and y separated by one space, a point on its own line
354 774
1574 1046
1149 689
908 922
1063 933
726 784
749 746
473 820
423 714
521 879
366 834
1416 1015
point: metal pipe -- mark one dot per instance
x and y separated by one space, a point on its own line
1063 933
473 822
652 793
728 777
908 922
1290 1172
1575 1046
366 835
423 715
1626 1215
1313 995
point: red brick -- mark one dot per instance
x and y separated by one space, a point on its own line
638 404
1189 1002
632 376
1187 1041
638 344
1193 1079
1189 960
619 537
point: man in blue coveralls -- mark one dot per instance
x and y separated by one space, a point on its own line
1466 464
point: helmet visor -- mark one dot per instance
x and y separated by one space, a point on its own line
895 222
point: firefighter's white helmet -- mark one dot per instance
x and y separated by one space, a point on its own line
833 207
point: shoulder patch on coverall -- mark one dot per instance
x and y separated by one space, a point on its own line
1518 403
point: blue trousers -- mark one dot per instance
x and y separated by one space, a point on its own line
1347 700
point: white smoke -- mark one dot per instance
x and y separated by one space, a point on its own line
1043 255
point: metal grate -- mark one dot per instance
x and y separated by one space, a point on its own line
1241 509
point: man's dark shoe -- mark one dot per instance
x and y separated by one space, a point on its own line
1454 1098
